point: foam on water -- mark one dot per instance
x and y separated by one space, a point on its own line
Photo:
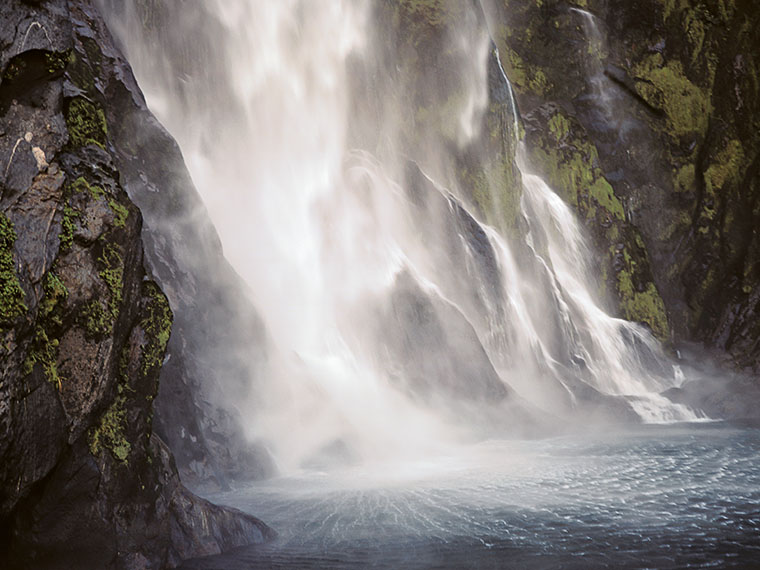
656 497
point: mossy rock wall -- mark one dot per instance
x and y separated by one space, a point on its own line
83 332
561 149
665 111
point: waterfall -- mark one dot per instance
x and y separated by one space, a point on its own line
597 48
399 321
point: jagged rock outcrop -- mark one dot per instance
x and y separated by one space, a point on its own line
83 480
644 116
218 341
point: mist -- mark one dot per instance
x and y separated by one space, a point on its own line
388 289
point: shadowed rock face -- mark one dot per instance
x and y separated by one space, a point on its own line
436 348
650 130
84 481
218 342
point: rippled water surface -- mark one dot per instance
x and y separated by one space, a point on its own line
655 497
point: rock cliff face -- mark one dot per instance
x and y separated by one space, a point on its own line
644 116
85 482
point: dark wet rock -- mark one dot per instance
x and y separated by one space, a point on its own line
708 387
84 482
455 237
734 399
435 349
218 341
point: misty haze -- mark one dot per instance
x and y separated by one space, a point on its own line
399 283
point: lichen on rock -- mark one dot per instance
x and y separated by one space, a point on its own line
86 123
112 273
641 303
157 325
109 432
11 294
665 87
43 349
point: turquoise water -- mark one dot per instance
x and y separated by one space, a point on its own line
677 496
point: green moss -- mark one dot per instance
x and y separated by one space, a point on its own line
723 173
601 191
86 123
14 69
562 175
665 87
640 303
538 83
670 7
55 293
96 192
157 325
516 69
726 169
526 78
11 294
110 431
571 170
421 22
559 126
66 237
121 213
726 9
645 306
494 192
43 349
433 12
81 185
570 162
695 33
96 319
685 178
477 184
56 62
112 273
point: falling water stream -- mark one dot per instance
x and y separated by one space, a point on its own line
413 346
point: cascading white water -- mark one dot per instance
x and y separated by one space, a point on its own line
333 248
603 342
595 70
